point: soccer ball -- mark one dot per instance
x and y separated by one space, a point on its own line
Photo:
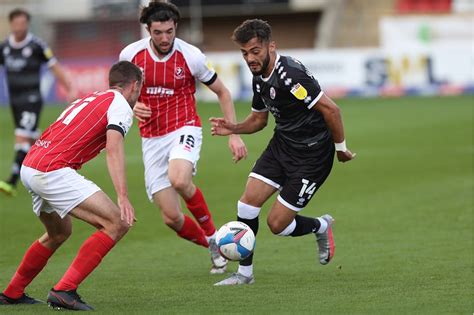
235 240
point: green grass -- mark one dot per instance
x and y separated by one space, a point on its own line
404 225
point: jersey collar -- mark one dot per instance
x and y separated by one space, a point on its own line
273 70
17 45
155 57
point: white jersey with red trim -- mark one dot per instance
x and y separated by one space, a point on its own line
169 84
79 134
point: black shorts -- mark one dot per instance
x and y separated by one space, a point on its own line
297 173
26 117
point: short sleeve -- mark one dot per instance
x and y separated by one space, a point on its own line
257 102
119 115
45 53
197 62
203 70
126 55
304 87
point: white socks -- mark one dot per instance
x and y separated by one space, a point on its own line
324 225
213 236
289 229
246 270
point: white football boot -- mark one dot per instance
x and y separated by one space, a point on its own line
326 241
236 279
219 263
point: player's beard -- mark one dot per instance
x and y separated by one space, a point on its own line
160 51
264 68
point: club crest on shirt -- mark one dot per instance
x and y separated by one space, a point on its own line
179 73
26 52
299 91
272 93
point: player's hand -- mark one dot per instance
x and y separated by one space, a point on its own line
220 127
344 156
141 111
237 147
127 213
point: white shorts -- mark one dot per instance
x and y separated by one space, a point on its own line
184 143
58 191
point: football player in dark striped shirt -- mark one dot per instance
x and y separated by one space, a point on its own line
22 54
299 157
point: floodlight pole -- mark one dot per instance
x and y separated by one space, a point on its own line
195 16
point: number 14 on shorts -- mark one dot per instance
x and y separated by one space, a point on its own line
307 188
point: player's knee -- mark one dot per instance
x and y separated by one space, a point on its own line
59 238
120 228
180 184
116 227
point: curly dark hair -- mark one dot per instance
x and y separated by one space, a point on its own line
250 29
158 11
18 12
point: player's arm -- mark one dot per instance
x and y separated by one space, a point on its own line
333 119
254 122
64 80
236 144
116 166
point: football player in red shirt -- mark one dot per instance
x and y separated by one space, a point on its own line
98 121
170 126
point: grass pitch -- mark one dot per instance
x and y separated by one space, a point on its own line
403 210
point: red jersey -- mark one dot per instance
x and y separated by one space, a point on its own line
169 84
79 134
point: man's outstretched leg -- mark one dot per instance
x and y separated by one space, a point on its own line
101 212
169 203
198 207
255 195
249 215
180 174
298 225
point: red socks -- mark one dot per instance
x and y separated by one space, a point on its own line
192 232
33 262
88 258
198 207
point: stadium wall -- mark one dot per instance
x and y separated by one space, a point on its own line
341 72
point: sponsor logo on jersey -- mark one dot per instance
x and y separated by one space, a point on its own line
272 93
179 73
15 64
42 143
160 91
274 110
257 87
299 91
